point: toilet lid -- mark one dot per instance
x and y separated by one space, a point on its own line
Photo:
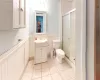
59 51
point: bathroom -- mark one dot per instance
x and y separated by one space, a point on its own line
54 33
23 44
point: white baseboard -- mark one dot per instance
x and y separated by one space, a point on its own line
70 63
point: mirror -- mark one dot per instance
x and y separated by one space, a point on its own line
40 22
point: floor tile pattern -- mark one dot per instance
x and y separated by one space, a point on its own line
50 70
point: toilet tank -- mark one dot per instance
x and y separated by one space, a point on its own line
56 44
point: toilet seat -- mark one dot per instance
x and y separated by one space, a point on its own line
60 52
60 55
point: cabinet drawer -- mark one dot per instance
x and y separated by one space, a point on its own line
44 52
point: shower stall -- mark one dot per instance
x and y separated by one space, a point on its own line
69 35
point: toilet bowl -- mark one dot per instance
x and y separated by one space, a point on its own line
60 54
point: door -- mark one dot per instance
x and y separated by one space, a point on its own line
72 36
16 17
22 13
38 55
66 34
44 54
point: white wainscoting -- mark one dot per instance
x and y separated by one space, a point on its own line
14 61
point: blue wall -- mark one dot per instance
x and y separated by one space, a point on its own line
52 9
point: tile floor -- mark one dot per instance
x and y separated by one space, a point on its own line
50 70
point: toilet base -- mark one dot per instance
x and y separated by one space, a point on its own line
60 60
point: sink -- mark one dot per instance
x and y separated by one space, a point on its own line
41 50
41 42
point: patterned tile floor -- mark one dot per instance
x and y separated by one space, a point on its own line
50 70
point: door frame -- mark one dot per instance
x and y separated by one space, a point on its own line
95 78
68 14
81 39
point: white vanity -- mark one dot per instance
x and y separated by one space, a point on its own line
41 44
41 51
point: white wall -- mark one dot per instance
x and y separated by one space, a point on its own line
67 5
90 39
10 38
81 40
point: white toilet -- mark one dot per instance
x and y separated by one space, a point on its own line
60 54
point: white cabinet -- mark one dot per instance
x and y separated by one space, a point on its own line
40 54
22 13
10 14
16 15
26 52
44 54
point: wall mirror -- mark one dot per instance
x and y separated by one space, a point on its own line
40 22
